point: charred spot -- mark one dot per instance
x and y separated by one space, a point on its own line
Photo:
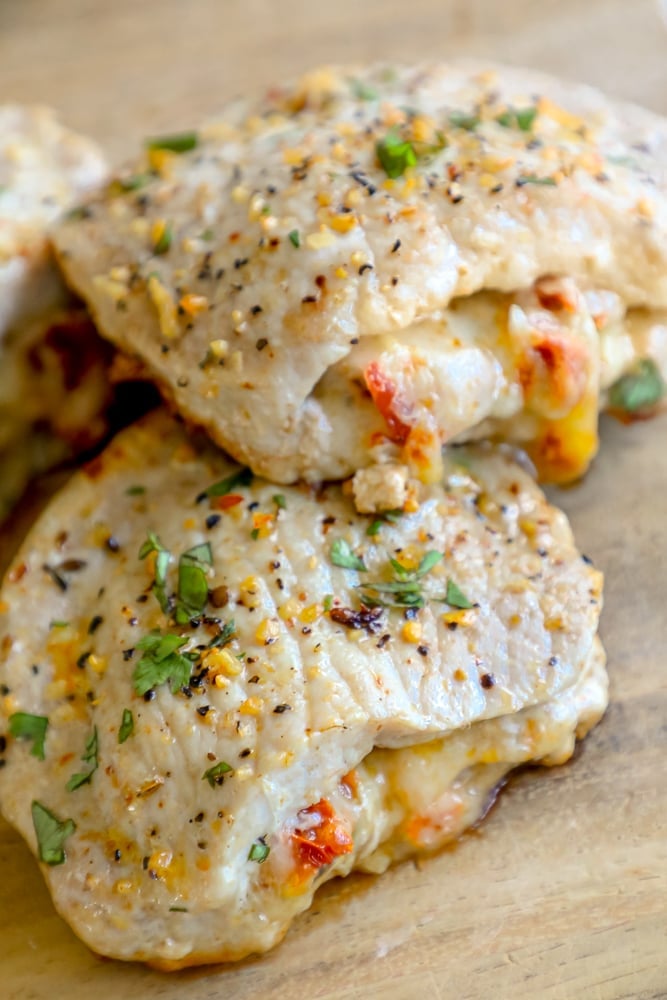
487 681
368 619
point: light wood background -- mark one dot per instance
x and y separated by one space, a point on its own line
563 893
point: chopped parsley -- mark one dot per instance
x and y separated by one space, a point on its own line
135 491
639 389
280 501
395 154
259 851
456 597
89 756
224 637
124 185
216 774
179 142
327 603
192 582
51 834
294 238
374 528
405 589
162 662
363 92
534 179
521 118
23 726
465 120
162 560
342 555
58 623
163 242
242 477
126 728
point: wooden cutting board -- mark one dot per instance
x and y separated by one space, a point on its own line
563 893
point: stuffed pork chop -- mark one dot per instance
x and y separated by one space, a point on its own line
369 263
217 695
54 387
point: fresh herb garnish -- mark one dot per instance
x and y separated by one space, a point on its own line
124 185
465 120
178 909
259 851
280 501
456 597
161 662
362 91
534 179
135 491
58 623
405 589
342 555
163 242
216 774
395 154
126 727
23 726
192 582
180 142
89 756
242 477
294 238
51 834
639 389
224 637
374 528
522 118
327 603
162 560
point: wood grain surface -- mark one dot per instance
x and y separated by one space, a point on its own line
563 893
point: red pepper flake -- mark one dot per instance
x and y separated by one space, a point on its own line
224 503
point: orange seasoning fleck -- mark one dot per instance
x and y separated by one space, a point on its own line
224 503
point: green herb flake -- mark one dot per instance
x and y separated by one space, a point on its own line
259 851
163 243
254 534
207 235
58 623
327 603
51 834
294 238
521 118
89 756
192 582
23 726
125 185
280 501
135 491
225 636
534 179
179 142
363 92
242 477
525 118
342 555
639 389
374 528
161 662
395 154
178 909
431 559
216 775
405 589
126 728
464 120
456 597
162 560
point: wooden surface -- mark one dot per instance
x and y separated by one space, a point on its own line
563 894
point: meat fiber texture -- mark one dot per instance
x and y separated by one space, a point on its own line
308 276
310 681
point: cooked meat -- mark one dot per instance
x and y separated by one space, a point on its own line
53 382
253 678
44 170
305 277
